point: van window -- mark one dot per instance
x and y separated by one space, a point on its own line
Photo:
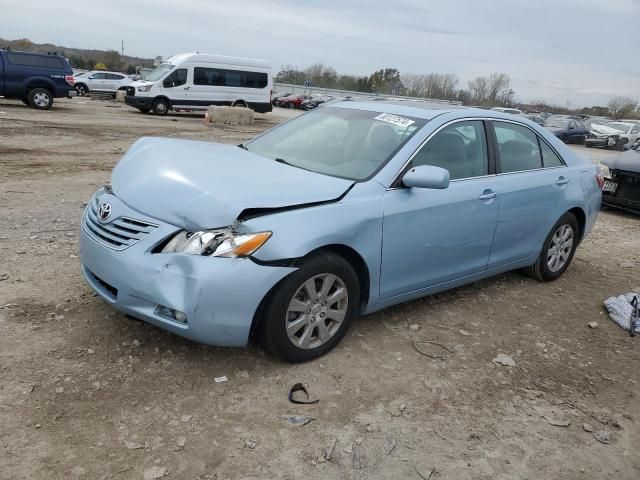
178 77
217 77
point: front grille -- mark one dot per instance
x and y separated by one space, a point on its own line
131 91
119 234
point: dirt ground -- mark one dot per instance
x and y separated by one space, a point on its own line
87 393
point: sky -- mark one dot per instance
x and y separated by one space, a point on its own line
575 52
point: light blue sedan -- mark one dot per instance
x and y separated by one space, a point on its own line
340 212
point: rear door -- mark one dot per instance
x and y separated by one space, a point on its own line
534 187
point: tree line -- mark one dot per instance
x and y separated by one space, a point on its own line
489 91
482 91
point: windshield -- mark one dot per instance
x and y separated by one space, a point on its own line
558 123
159 72
340 142
618 126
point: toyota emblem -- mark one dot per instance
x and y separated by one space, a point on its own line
104 212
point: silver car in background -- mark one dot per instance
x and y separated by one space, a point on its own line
100 81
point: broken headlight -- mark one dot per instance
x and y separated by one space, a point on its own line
216 243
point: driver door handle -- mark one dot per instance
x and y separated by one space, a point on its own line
488 195
562 181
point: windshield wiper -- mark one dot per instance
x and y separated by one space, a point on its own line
282 160
243 147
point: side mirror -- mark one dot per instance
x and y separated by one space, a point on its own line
426 176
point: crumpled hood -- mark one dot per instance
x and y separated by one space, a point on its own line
601 129
194 184
629 161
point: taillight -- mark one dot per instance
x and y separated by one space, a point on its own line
70 80
600 180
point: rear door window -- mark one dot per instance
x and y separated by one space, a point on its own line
518 148
549 157
232 78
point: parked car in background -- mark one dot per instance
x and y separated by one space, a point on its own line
539 119
315 101
566 129
622 180
99 81
595 120
342 211
35 78
511 111
293 101
277 96
613 135
196 80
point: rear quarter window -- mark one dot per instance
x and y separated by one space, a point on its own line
35 60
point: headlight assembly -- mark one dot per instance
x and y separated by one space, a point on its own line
145 88
216 243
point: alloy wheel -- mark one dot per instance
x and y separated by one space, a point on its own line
560 247
316 311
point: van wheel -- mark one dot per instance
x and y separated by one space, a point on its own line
310 311
40 98
160 106
557 251
239 104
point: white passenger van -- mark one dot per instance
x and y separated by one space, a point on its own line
196 80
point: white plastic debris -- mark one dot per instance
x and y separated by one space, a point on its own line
221 379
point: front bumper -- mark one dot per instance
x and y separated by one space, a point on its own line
138 102
219 296
601 141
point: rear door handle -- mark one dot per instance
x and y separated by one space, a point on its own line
488 195
562 181
187 88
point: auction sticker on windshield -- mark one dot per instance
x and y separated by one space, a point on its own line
394 119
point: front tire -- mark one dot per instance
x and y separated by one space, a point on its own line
557 251
81 89
160 106
310 311
40 99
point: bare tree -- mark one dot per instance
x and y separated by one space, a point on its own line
479 90
621 107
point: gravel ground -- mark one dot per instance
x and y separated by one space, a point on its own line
87 393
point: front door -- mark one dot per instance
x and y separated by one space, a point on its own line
434 236
176 87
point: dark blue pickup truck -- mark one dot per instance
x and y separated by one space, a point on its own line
35 78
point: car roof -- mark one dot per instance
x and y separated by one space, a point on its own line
415 109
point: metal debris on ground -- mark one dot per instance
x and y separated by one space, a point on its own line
221 379
298 420
504 359
421 350
602 436
299 387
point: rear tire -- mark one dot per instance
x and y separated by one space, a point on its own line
309 312
557 251
40 99
160 106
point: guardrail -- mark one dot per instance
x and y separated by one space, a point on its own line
301 89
